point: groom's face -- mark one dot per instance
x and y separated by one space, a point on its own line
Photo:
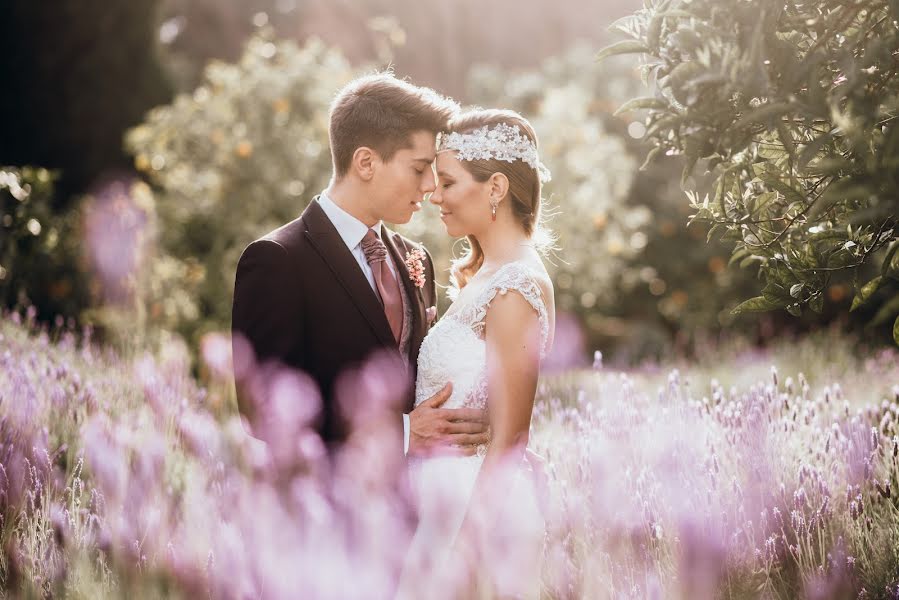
400 184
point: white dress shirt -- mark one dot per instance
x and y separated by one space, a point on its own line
351 231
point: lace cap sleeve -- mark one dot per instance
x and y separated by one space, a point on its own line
514 277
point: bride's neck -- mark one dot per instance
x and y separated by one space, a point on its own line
503 244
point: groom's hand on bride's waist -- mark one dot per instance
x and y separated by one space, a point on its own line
436 430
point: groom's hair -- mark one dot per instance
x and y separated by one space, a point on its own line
381 112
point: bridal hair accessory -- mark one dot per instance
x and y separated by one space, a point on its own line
502 142
415 264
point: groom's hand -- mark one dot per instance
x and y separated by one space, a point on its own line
435 430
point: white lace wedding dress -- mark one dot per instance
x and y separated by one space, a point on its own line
455 350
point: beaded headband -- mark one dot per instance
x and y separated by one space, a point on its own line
502 142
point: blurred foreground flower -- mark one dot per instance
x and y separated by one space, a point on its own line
115 475
118 229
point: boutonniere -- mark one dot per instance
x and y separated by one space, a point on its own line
415 264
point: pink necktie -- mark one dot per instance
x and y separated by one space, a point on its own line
388 288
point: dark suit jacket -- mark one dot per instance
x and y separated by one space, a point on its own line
300 299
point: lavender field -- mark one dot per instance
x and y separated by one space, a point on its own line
738 477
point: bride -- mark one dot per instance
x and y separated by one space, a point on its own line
489 344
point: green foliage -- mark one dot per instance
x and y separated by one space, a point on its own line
39 250
238 157
793 108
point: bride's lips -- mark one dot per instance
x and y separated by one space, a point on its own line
444 214
416 205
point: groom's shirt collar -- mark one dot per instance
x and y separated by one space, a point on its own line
351 229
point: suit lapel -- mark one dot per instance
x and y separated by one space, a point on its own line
323 236
394 243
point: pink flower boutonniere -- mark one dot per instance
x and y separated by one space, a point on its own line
415 264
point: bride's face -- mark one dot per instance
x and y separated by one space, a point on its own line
464 203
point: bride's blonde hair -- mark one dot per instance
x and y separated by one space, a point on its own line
524 187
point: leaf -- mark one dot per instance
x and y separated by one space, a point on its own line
786 138
796 289
719 193
756 203
811 149
775 292
844 189
830 165
654 29
841 259
887 311
738 255
865 293
650 156
757 304
687 40
681 77
816 303
731 235
773 152
623 47
751 259
888 259
715 229
689 165
625 24
646 102
828 235
896 331
669 122
891 143
789 192
764 113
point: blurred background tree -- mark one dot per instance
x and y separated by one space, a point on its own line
793 109
40 260
242 148
76 75
239 156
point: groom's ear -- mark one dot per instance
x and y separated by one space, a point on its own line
363 163
498 185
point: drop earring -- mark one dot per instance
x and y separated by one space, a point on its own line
493 211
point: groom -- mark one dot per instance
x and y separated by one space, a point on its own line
325 291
